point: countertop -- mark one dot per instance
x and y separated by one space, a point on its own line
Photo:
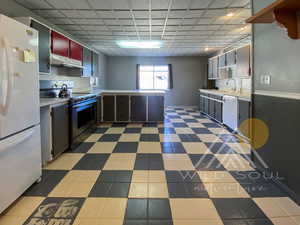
243 96
52 101
123 92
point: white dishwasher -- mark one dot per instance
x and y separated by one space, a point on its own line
230 111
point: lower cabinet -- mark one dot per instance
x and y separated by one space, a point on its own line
138 108
212 105
219 111
122 108
109 108
60 129
99 110
156 108
244 116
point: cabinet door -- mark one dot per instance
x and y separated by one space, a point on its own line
210 69
75 51
108 108
243 61
215 68
211 110
222 60
206 104
244 116
156 108
87 63
95 64
231 58
99 110
122 108
201 103
44 46
138 108
60 129
59 44
218 111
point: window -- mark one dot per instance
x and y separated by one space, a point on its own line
154 77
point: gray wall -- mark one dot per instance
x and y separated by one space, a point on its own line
189 74
275 54
13 9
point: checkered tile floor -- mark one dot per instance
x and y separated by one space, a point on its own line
187 171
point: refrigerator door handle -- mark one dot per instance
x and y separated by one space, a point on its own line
6 144
8 85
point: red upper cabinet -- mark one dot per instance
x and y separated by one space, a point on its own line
59 44
75 51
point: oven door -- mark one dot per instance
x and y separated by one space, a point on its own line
83 117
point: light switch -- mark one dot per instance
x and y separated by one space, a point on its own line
268 80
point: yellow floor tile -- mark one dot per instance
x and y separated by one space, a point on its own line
158 190
184 131
225 190
196 148
195 125
140 176
234 162
130 138
81 176
198 222
216 177
242 148
120 161
93 138
72 189
84 221
150 130
102 147
134 125
169 138
103 208
12 220
285 221
219 131
115 130
65 161
209 138
23 207
278 207
177 162
193 209
138 190
149 147
104 124
157 176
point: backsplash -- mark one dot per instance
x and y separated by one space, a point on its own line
242 84
60 73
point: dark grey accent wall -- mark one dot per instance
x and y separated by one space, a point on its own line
275 54
189 74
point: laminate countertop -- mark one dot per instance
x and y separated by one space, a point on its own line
124 92
52 101
242 96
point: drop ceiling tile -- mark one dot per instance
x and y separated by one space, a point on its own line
49 13
34 4
200 4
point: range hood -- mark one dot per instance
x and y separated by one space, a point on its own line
57 60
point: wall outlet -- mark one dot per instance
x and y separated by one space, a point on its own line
265 79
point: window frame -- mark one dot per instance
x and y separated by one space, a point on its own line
169 80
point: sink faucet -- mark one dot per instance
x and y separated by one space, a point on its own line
234 81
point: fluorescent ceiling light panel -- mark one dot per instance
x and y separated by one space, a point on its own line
139 44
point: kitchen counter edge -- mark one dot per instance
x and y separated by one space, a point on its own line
220 93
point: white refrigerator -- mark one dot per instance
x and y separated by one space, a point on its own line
20 141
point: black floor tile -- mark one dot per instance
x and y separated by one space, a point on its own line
149 162
159 209
115 176
187 190
172 147
135 222
251 177
149 137
167 130
189 138
238 208
259 222
110 137
235 222
160 222
201 131
83 147
256 190
150 124
50 178
132 130
174 116
182 177
112 190
137 209
126 147
206 162
200 117
211 125
101 130
178 125
190 120
219 148
91 162
119 124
